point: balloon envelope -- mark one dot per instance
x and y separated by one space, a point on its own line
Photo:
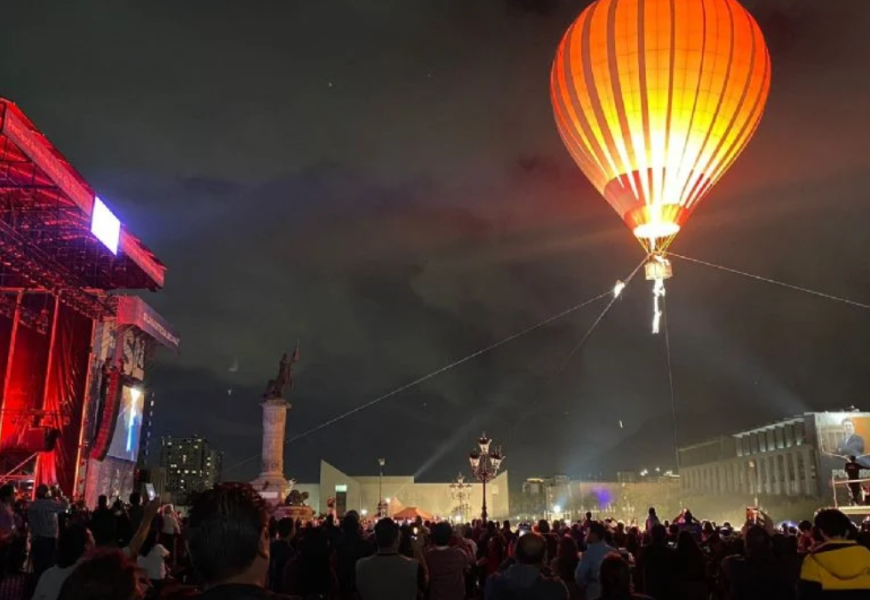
655 99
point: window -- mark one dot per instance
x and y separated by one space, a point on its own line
783 473
799 433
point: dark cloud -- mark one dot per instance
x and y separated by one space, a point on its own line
537 7
382 181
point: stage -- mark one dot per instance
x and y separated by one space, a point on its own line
72 350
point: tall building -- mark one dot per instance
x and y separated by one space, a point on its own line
190 464
144 458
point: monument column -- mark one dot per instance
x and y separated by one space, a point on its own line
271 483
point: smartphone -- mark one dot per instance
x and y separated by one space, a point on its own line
751 514
149 491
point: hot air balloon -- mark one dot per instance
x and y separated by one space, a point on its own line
655 99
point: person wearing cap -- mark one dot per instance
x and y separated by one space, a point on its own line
42 518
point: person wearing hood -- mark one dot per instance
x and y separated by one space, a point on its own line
526 579
837 568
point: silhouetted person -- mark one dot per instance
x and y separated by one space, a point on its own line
655 565
42 518
389 575
758 576
103 523
652 520
107 575
136 512
446 564
228 542
690 569
351 548
281 552
615 578
590 564
72 545
526 579
853 474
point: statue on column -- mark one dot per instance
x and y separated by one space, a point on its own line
284 381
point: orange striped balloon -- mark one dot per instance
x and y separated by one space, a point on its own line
655 99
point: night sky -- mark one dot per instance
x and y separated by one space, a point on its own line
383 182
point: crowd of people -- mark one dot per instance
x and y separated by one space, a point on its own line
229 548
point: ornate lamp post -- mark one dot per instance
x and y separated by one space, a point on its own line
484 465
460 491
381 504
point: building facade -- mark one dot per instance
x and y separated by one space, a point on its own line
563 498
190 465
362 494
798 456
145 446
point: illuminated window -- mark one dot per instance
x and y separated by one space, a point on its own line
799 433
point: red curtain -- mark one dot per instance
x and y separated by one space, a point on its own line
25 387
65 397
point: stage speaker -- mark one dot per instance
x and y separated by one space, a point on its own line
39 439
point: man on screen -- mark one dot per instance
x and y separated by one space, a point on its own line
852 444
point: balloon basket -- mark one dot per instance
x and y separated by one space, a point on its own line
658 268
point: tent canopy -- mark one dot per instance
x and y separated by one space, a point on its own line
411 513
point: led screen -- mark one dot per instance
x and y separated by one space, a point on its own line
844 434
105 226
128 425
840 435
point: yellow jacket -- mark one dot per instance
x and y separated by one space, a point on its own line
838 569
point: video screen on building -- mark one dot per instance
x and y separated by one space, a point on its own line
840 435
128 425
844 434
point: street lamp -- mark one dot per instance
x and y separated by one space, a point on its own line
484 465
381 503
460 491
